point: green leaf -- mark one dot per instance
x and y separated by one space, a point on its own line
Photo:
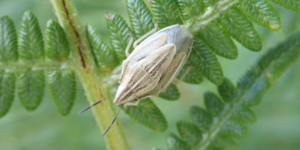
255 85
104 56
257 91
175 143
62 85
190 74
233 129
140 17
8 53
227 90
244 115
118 34
148 114
201 118
219 41
7 92
31 44
191 9
165 12
31 86
213 104
224 142
171 93
290 4
204 59
208 3
8 41
261 12
189 132
57 46
31 83
241 29
251 87
256 82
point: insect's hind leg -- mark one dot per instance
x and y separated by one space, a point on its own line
147 34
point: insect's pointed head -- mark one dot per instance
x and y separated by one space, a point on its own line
124 94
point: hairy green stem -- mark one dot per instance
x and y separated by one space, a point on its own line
211 14
88 73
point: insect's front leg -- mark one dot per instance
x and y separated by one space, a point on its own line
140 39
131 103
146 35
129 43
111 80
115 77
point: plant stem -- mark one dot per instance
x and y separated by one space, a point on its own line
88 73
211 14
14 67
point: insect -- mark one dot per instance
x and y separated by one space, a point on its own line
152 65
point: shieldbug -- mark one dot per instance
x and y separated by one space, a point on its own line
152 65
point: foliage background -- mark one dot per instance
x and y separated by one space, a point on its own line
278 122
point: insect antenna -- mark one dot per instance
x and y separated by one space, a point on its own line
112 122
87 108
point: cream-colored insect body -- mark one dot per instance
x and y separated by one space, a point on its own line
153 64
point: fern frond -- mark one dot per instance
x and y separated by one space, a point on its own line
165 12
118 34
205 62
26 61
174 142
172 93
241 29
261 12
289 4
189 132
213 23
8 54
31 83
61 82
220 42
105 57
148 113
225 119
140 17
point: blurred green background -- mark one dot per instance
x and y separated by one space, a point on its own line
278 115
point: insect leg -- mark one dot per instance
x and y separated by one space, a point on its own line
111 80
129 43
115 77
146 35
131 104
